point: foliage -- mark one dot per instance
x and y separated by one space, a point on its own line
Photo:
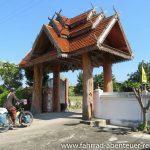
24 93
99 79
3 97
2 89
136 76
127 86
141 127
79 85
75 102
71 91
11 75
21 93
134 79
148 128
29 76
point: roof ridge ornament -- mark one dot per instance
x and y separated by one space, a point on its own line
92 5
60 19
51 19
91 13
58 13
98 20
116 12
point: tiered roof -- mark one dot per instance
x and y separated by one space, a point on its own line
70 37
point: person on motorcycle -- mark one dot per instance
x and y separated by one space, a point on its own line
10 103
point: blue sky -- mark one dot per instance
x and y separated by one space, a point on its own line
21 21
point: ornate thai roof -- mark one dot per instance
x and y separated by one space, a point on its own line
66 37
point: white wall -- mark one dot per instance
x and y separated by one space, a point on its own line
120 108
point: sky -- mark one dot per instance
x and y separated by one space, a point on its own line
21 21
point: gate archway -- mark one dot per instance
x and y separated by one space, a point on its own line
86 41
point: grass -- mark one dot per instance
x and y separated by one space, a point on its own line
141 127
75 102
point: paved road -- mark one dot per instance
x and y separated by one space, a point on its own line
50 130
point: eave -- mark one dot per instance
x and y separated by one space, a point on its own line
99 39
41 59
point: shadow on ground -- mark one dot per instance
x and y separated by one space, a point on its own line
72 124
52 115
116 131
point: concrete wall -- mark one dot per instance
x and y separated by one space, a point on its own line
120 108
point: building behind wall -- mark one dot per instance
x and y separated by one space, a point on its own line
48 95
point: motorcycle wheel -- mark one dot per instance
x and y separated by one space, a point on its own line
26 118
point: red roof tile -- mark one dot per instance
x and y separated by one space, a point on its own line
76 19
72 31
89 38
85 26
78 42
62 29
66 20
62 42
76 33
79 18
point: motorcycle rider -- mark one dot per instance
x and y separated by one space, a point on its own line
10 104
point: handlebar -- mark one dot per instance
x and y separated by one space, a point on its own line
23 101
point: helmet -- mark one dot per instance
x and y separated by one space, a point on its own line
12 90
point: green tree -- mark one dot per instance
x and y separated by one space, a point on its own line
134 80
2 89
29 76
79 86
136 76
71 91
11 75
99 79
3 97
127 86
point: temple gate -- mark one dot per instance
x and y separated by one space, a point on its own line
83 42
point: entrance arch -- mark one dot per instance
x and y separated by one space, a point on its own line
86 41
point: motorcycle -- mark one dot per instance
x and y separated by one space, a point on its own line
23 118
